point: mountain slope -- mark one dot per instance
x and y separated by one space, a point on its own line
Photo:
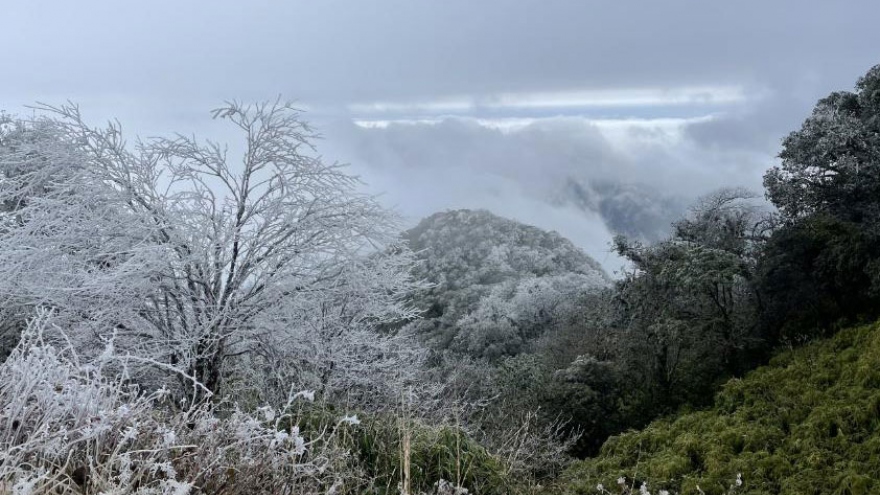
497 283
808 423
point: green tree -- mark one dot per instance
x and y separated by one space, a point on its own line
687 311
822 265
832 164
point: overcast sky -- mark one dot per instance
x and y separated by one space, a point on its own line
466 103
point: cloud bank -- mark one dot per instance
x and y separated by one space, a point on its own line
579 116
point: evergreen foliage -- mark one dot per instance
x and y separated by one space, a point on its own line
827 189
686 316
807 423
378 444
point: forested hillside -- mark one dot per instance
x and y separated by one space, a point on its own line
748 282
807 423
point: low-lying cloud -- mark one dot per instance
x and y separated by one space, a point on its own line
585 178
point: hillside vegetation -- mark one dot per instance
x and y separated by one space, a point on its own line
496 284
808 423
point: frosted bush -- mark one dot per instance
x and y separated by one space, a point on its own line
443 487
73 427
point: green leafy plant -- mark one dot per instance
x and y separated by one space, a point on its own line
807 423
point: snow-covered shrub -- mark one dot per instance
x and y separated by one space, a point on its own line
443 487
67 426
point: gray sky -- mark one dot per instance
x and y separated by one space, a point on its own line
463 103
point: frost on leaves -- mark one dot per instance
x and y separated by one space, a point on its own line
191 256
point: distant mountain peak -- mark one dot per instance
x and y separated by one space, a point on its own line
497 284
484 237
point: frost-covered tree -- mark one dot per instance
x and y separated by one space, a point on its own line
192 255
335 344
515 313
832 163
13 135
